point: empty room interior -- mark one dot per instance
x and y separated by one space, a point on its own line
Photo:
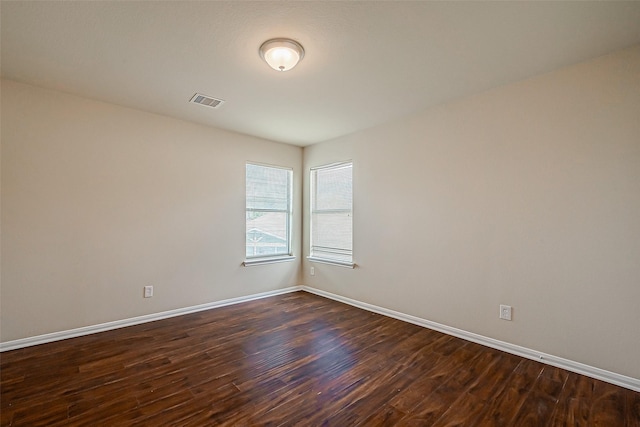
320 213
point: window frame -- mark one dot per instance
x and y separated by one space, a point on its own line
312 200
278 257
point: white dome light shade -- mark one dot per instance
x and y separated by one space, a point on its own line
281 54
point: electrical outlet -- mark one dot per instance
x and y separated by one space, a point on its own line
148 291
505 312
313 271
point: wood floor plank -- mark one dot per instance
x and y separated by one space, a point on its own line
633 410
608 407
505 405
536 410
385 416
573 408
427 412
294 359
467 407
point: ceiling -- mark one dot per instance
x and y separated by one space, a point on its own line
366 62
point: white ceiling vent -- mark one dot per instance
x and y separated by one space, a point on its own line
205 100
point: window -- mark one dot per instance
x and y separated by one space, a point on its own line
331 214
268 213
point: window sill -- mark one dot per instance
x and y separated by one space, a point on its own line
270 260
332 262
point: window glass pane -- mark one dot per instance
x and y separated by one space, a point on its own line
267 187
331 212
332 230
268 211
267 233
334 188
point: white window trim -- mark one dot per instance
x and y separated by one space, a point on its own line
316 258
270 259
332 262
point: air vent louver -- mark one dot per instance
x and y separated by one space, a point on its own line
205 100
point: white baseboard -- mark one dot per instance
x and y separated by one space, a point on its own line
559 362
569 365
87 330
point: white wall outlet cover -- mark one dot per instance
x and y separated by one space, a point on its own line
505 312
148 291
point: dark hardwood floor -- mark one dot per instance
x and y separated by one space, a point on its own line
295 359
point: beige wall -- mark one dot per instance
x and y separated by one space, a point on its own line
99 200
527 195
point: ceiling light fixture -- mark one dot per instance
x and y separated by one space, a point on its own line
281 54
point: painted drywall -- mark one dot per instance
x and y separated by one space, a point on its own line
100 200
526 195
